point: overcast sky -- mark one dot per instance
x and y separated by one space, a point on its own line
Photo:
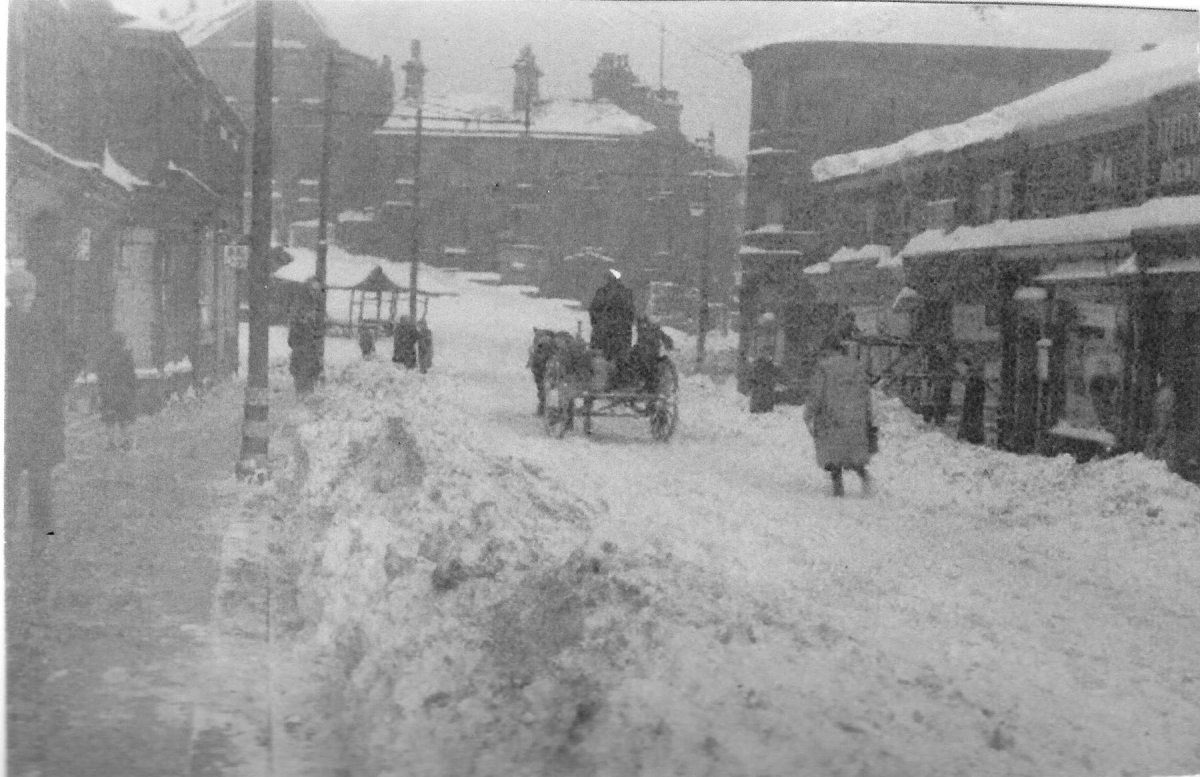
468 45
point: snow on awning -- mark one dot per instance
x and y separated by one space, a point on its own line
756 251
908 299
820 268
1085 270
1121 82
1190 264
1107 226
1063 429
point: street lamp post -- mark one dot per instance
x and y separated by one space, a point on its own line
414 72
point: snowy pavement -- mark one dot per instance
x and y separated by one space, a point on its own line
482 599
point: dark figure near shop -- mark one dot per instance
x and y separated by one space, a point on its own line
366 340
36 381
116 376
612 313
405 336
1161 442
838 414
941 383
424 346
305 361
970 425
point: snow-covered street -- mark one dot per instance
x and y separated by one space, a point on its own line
483 599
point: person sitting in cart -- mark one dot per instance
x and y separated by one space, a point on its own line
652 343
612 313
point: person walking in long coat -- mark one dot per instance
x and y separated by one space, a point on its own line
117 378
36 384
366 340
404 342
612 312
424 346
838 414
305 361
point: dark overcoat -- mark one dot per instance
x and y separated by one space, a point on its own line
838 412
36 386
612 312
117 378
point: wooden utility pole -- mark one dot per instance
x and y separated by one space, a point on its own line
414 71
323 206
255 428
706 264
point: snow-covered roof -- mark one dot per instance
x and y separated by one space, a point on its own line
868 253
756 251
116 171
945 24
1123 81
355 215
110 169
344 270
196 21
467 115
1096 227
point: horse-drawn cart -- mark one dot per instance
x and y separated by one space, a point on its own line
569 393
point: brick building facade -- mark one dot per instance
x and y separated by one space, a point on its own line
1056 240
124 181
813 98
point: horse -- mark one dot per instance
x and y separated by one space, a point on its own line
540 352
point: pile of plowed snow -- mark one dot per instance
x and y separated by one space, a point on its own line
470 624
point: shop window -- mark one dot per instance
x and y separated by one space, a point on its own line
1102 170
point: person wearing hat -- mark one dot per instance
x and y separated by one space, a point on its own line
305 340
612 312
36 385
838 414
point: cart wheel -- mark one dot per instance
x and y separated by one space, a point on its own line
665 414
558 402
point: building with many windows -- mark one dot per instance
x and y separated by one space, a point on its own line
1059 247
124 172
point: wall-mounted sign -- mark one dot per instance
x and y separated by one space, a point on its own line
237 257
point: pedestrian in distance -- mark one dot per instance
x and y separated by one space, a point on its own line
366 340
36 384
612 312
1160 444
404 342
304 340
117 380
838 415
970 424
424 346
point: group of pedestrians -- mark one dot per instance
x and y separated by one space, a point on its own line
412 341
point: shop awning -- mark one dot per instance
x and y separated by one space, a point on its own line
1187 264
1089 270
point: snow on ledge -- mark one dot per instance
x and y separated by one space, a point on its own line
1096 227
1121 82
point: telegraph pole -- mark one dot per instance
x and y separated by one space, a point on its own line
706 265
255 427
323 205
414 71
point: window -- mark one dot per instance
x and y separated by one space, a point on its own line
1101 170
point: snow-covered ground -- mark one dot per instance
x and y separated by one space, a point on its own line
483 599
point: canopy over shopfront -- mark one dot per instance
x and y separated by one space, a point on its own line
358 287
